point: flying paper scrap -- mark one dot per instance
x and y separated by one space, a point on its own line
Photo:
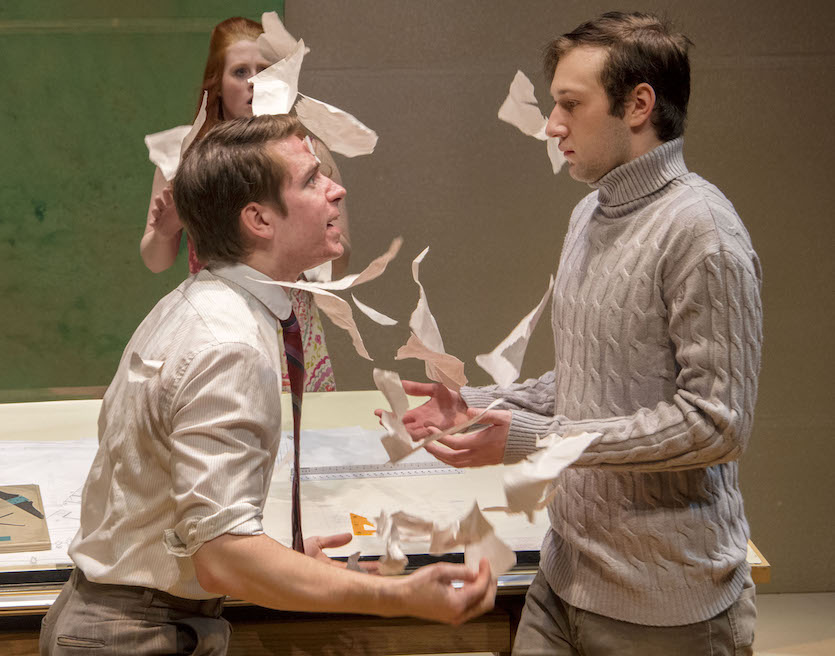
425 342
274 90
276 42
339 310
472 531
521 110
504 363
166 148
338 130
525 483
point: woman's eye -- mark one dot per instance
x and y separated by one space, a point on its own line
241 72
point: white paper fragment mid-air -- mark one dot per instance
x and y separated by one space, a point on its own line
374 270
276 42
337 309
321 273
353 562
338 130
274 89
374 315
504 363
525 483
425 342
521 110
165 149
473 532
422 322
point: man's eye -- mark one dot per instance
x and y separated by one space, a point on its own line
569 105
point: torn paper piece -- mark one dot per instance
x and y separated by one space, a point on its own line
441 367
199 120
274 89
521 110
140 369
353 562
374 315
340 131
504 363
374 270
555 154
425 342
336 309
276 42
165 148
321 273
422 322
389 383
472 532
525 483
399 445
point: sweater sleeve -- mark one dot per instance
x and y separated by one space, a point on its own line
715 325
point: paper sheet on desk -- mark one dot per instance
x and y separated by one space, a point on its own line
59 469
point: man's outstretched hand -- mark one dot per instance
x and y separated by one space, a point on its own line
443 410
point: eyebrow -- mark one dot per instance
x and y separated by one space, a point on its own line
309 172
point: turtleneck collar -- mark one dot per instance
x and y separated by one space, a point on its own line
642 176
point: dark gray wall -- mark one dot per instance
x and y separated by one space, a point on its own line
429 78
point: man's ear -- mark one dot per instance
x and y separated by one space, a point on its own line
258 221
640 105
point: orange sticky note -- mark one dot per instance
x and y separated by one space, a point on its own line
361 526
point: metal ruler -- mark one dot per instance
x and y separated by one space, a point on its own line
337 472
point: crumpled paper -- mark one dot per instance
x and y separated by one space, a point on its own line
521 110
472 531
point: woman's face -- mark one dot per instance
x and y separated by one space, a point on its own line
243 60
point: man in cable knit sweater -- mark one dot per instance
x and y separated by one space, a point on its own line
657 329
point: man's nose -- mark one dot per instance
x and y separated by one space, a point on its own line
555 127
336 192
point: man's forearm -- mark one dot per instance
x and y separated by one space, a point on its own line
262 571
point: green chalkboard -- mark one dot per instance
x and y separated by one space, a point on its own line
83 82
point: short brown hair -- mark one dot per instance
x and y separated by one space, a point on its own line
224 171
641 48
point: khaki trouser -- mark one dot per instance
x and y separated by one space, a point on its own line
551 626
105 619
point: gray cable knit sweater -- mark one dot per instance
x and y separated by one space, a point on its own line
657 329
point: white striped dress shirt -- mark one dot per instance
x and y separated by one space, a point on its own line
188 433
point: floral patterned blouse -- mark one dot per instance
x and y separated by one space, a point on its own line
317 362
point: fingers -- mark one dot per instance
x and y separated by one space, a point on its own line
446 573
477 597
413 388
450 457
333 541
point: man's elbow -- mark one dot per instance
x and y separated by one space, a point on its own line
210 571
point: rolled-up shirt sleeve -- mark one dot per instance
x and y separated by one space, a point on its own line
226 424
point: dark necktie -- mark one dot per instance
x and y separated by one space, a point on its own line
295 371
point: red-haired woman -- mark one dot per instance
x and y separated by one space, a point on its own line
233 58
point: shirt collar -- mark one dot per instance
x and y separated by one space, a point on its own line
270 294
